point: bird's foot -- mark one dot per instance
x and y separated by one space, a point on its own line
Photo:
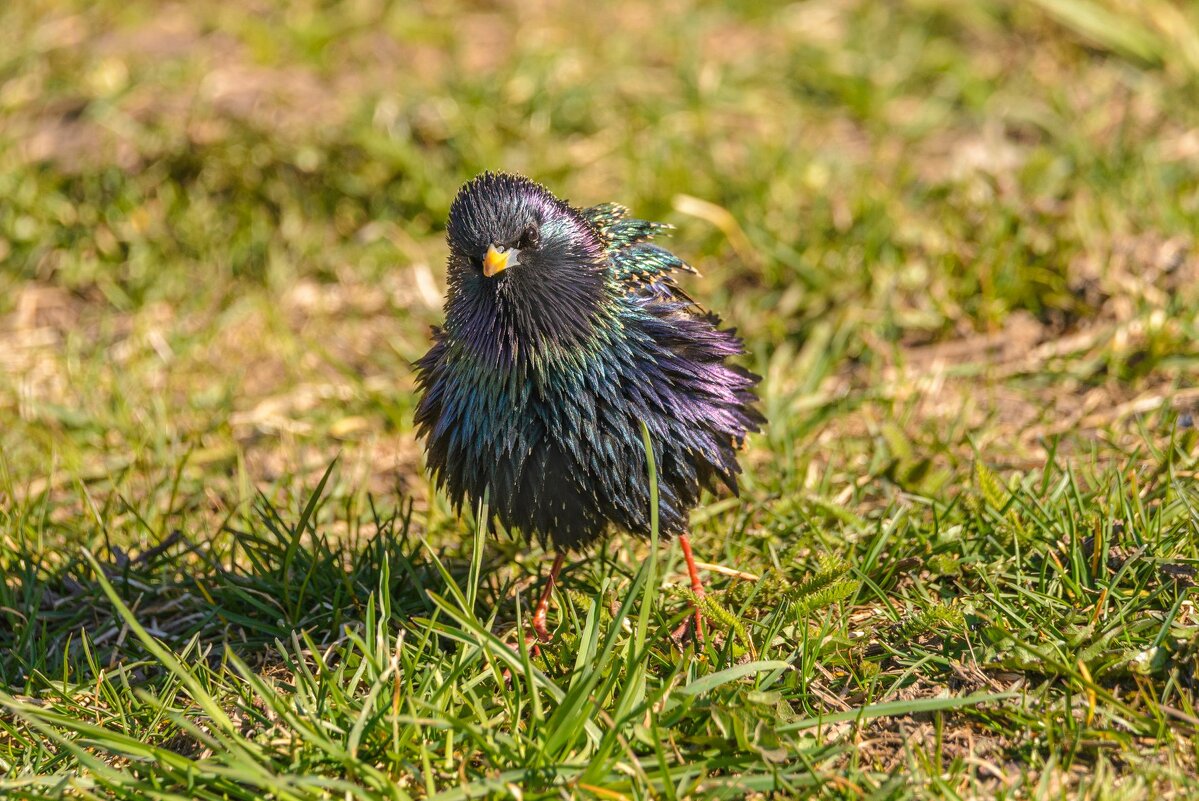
693 628
539 628
534 653
543 604
540 632
690 630
531 641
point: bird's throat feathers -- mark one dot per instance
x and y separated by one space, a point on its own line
532 317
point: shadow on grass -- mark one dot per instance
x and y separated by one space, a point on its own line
247 587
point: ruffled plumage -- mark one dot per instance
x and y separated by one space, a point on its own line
538 384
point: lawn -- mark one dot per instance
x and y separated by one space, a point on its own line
958 239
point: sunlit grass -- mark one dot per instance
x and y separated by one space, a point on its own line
957 239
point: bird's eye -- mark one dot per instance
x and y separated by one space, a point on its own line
529 237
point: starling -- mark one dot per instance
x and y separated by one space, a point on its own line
564 332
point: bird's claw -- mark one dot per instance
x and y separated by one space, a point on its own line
534 653
689 630
538 625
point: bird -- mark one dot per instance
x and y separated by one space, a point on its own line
565 332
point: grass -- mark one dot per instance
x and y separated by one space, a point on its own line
957 238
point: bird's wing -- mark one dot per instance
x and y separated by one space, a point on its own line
636 263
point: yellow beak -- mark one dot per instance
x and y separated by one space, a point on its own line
495 262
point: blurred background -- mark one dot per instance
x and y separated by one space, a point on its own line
942 227
957 237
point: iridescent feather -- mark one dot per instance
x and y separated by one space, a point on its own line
537 387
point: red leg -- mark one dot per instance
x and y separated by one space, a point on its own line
697 586
543 605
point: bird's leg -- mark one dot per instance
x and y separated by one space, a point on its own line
697 587
540 632
543 605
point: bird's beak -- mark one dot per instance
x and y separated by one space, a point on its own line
496 261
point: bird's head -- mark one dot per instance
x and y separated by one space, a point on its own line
525 269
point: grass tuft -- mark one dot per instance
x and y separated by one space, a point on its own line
957 239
